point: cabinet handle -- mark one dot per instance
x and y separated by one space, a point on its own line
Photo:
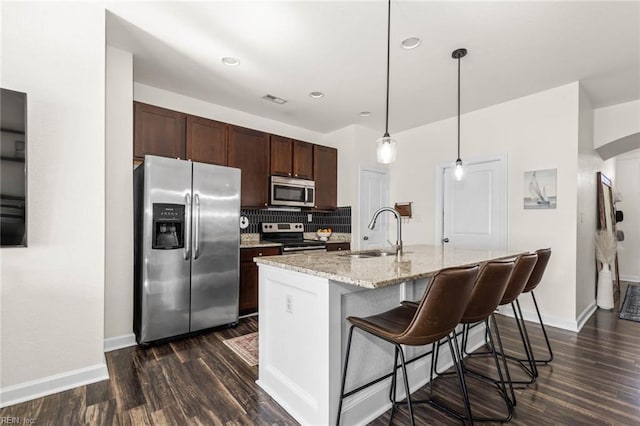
339 248
296 175
260 254
289 174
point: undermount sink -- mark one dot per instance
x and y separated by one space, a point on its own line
367 254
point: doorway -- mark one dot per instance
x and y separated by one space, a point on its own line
472 213
374 193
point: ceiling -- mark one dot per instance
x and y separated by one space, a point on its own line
289 49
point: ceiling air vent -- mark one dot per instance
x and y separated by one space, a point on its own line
274 99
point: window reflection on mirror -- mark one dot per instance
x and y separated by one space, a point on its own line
13 169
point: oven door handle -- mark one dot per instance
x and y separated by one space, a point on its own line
304 248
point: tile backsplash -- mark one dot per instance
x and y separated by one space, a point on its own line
338 220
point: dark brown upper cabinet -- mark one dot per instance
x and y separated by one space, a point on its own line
281 154
158 131
249 151
291 158
302 160
325 172
206 141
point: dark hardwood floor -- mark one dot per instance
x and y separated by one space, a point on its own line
594 379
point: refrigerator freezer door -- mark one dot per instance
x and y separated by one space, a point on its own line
165 293
216 246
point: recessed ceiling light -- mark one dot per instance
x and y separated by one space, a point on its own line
365 114
316 95
230 62
274 99
411 43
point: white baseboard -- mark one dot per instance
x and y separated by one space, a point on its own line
632 278
549 320
33 389
586 314
119 342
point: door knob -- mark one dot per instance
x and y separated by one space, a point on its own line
445 240
365 238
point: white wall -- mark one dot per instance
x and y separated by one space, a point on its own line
615 122
118 293
589 163
536 132
356 149
52 295
628 184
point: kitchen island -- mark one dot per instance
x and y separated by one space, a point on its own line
304 300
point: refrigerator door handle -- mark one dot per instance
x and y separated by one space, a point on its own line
196 233
187 231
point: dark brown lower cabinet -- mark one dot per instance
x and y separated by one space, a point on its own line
338 246
249 277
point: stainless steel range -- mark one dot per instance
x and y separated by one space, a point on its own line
291 236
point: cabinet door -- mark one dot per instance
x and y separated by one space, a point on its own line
248 303
325 172
249 151
281 152
302 160
338 246
158 131
206 141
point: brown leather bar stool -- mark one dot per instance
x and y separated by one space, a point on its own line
536 277
487 293
517 281
437 315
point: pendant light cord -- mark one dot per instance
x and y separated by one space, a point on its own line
386 125
458 107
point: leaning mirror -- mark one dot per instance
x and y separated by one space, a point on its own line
606 216
13 168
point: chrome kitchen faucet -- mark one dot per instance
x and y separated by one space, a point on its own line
372 225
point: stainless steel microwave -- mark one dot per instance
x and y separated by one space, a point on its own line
292 192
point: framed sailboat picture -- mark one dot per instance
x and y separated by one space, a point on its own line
540 189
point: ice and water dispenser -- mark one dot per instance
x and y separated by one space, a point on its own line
168 226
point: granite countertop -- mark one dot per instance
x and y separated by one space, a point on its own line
258 244
418 261
254 241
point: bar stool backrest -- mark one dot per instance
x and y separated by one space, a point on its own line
538 270
441 307
519 277
488 290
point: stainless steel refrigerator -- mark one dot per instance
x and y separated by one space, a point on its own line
186 248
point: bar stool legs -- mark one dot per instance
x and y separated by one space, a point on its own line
344 374
392 391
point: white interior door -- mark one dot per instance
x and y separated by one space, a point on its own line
474 210
374 193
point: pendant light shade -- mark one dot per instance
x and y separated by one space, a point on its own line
458 172
386 149
386 145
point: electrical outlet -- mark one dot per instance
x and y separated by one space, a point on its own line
309 217
289 303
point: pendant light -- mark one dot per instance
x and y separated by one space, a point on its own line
386 145
458 172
